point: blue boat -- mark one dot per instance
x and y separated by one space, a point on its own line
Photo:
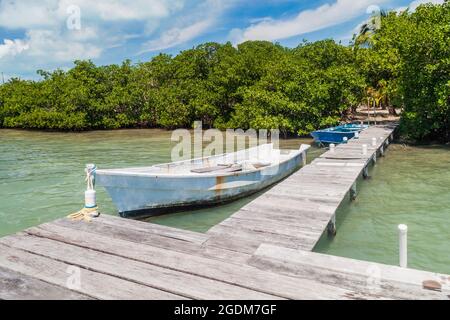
338 134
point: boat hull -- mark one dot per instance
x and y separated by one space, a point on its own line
337 134
137 195
332 137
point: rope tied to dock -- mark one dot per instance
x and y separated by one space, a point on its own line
85 214
90 176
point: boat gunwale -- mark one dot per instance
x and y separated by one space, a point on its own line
330 129
110 172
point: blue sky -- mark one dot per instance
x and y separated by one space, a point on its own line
50 34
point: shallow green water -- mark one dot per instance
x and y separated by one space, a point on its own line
42 178
42 174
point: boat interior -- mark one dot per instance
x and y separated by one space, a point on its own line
254 158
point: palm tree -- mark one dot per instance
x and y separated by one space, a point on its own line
368 29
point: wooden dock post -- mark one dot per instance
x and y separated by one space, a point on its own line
366 172
353 193
332 226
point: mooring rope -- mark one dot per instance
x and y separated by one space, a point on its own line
90 177
85 214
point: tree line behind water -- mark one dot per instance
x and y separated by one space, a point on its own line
405 64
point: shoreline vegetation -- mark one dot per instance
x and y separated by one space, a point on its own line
404 64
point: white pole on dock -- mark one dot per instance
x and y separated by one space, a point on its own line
356 135
403 245
374 142
332 147
364 149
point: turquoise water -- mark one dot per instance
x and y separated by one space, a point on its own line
42 174
42 178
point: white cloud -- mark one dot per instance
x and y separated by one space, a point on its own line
305 21
25 14
189 28
48 43
176 36
12 47
43 43
113 10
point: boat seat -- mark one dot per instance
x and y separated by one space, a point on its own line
211 169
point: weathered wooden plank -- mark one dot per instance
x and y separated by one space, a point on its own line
146 237
185 235
347 166
248 241
290 207
178 283
109 225
92 284
306 195
319 198
17 286
313 188
272 227
331 175
238 243
308 220
373 278
243 276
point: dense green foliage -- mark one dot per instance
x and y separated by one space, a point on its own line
257 84
407 63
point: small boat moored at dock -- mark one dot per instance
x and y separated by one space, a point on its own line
338 134
198 182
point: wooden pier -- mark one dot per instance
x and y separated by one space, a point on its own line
263 251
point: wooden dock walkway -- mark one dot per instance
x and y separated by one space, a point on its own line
263 251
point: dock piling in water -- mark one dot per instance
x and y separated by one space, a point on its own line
403 245
332 226
353 192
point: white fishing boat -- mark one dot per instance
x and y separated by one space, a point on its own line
198 182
